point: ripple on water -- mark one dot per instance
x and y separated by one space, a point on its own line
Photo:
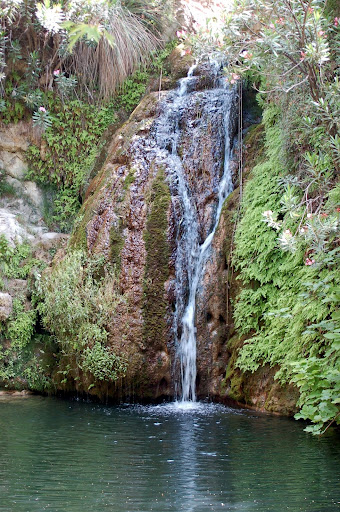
179 408
197 457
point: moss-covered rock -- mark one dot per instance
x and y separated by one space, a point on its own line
157 261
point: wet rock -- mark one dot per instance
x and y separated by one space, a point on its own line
21 207
214 320
14 231
180 62
15 184
17 288
15 138
47 244
8 396
117 210
262 392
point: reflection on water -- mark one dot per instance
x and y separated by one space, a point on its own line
77 457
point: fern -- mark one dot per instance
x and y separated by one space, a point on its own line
288 304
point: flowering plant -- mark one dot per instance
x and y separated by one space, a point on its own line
41 118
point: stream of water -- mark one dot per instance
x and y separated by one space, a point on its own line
191 255
63 456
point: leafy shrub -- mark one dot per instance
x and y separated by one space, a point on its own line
16 262
132 91
71 146
20 327
76 305
102 363
27 367
288 306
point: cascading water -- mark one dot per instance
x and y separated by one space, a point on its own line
188 338
192 255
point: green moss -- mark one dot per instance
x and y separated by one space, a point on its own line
254 144
228 218
236 385
116 245
78 236
157 257
234 378
130 178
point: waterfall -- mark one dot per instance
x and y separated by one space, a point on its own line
192 252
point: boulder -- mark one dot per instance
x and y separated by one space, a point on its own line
14 231
13 164
6 306
33 193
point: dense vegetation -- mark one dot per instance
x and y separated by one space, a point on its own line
77 69
74 68
76 302
286 243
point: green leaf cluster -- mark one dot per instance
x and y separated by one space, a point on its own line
102 363
132 91
20 327
24 359
287 307
70 147
76 301
16 262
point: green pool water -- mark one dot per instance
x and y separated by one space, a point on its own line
71 456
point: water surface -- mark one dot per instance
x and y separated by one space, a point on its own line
65 456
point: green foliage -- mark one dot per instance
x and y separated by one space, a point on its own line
20 327
16 262
71 145
93 33
76 305
29 366
65 84
132 91
285 43
36 374
319 385
22 363
102 363
160 57
41 119
95 46
288 265
19 367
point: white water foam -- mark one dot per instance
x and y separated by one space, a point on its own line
191 256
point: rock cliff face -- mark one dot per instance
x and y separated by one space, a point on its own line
125 218
132 215
21 211
21 202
